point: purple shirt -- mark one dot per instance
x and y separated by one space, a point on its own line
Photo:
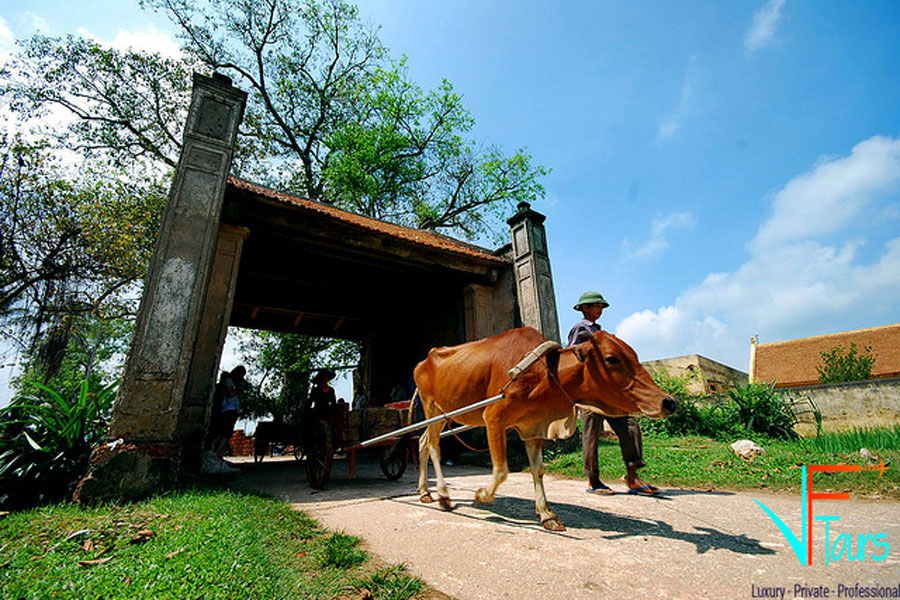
582 331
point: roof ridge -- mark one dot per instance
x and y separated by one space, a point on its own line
829 335
420 236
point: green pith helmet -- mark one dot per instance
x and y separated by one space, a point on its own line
591 298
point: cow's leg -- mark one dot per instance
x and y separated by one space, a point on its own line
424 493
497 443
535 449
432 447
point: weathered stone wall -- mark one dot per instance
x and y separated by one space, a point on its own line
713 377
872 403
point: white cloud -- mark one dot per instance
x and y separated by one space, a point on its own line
799 279
38 23
149 40
657 243
7 42
765 23
834 192
672 123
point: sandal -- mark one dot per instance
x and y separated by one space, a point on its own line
644 490
601 490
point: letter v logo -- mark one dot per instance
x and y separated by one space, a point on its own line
798 546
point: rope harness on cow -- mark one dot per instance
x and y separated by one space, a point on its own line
549 349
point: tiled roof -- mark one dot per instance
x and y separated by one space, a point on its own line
416 236
793 363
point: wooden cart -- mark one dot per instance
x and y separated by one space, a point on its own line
339 430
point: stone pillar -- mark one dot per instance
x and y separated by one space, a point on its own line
148 408
534 282
195 411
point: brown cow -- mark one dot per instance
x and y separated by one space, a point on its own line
602 374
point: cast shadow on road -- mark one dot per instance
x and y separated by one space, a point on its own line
515 510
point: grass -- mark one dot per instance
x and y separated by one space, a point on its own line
700 462
873 438
190 544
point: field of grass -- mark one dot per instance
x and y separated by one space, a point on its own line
704 463
191 544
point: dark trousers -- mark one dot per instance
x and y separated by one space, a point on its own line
626 429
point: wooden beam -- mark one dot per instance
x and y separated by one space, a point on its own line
298 319
338 324
253 313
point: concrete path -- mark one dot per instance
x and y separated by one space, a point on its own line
687 544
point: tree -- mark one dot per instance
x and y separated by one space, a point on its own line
283 364
331 116
842 365
71 249
126 107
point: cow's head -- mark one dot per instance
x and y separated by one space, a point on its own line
616 382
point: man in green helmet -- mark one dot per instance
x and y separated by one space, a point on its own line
591 305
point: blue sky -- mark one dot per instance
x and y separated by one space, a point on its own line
719 169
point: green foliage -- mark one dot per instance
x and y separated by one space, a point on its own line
392 583
697 416
330 115
754 409
46 439
341 552
841 365
872 438
128 106
706 464
211 544
94 352
283 363
72 248
764 410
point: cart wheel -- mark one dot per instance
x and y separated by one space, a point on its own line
319 455
260 450
298 451
393 460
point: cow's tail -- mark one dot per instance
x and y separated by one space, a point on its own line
412 407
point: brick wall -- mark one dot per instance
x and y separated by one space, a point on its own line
241 445
793 363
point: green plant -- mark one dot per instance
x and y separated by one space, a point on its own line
46 440
695 415
762 409
341 551
205 543
704 463
840 365
872 438
392 583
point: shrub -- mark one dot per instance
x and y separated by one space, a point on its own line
755 408
839 365
46 441
762 409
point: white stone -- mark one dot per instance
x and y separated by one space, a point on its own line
746 448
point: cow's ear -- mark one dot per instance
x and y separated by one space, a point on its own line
552 358
581 351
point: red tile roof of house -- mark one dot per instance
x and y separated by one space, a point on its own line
792 363
416 236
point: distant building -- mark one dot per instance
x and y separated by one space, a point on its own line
793 363
712 377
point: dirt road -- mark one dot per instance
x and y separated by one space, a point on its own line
686 544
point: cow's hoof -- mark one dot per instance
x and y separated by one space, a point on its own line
553 524
426 498
482 496
445 503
